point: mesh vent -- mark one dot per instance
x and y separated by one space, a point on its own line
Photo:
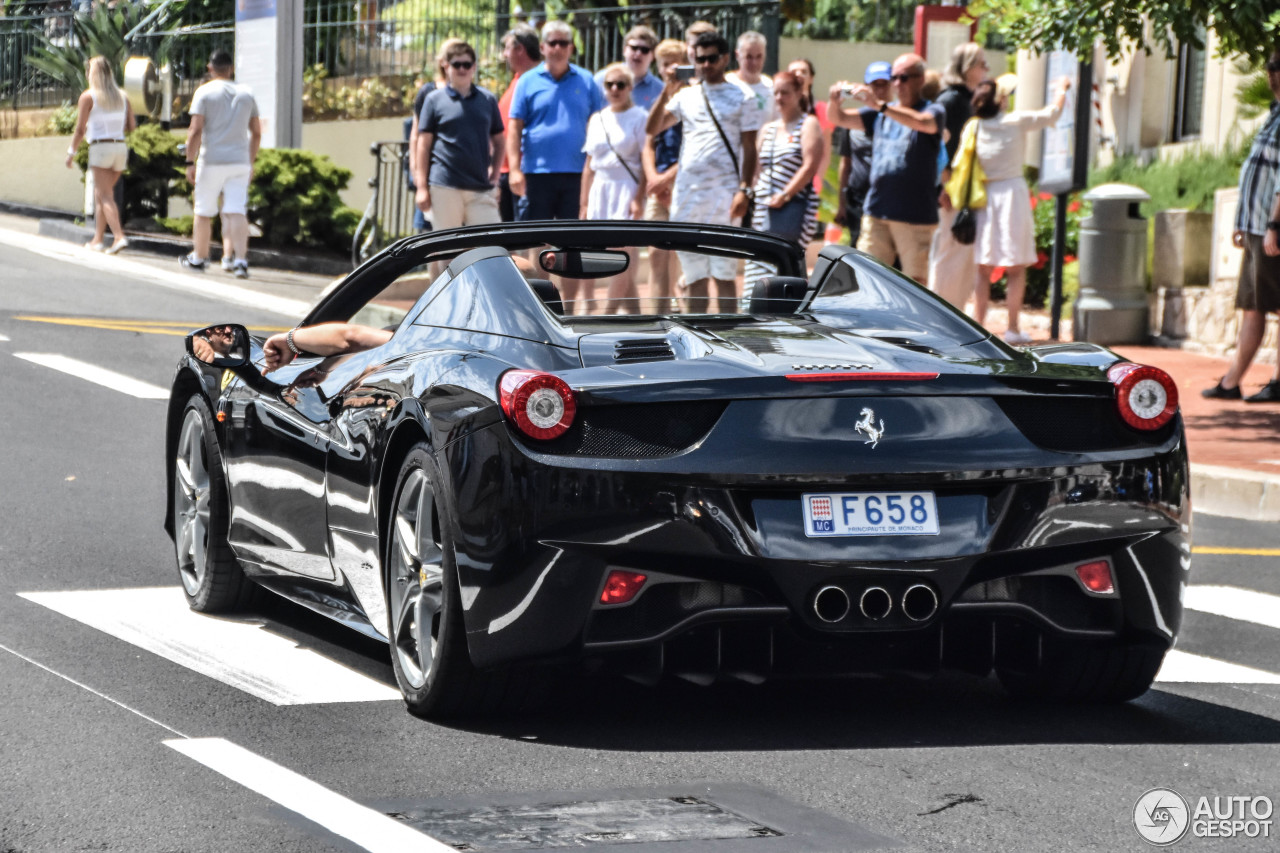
642 349
1076 424
642 431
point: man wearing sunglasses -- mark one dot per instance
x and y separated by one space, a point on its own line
460 146
637 53
548 128
900 212
719 121
1257 231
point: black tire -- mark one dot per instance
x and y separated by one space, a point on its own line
212 578
1086 672
434 669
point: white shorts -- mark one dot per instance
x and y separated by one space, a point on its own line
709 205
229 180
109 155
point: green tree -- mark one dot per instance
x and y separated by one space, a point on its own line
1248 27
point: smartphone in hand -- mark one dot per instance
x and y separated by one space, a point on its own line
684 73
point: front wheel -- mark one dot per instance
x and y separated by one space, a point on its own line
211 576
1086 672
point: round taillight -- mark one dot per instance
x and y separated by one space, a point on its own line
1146 396
541 405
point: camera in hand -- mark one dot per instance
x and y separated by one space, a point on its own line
684 72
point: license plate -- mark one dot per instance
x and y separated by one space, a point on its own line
870 514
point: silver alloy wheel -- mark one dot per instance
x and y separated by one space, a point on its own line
191 502
417 581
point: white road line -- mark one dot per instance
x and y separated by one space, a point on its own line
99 375
186 282
1261 608
1185 667
235 652
4 339
359 824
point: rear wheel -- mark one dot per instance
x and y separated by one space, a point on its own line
428 642
211 575
1085 672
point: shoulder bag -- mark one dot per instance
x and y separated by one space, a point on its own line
786 221
967 187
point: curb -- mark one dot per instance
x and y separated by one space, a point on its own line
1235 492
61 229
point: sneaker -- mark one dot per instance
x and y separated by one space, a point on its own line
1217 392
1016 338
191 262
118 246
1270 393
228 262
241 269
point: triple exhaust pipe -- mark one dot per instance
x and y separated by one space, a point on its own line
832 603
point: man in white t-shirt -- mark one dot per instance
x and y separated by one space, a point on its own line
750 53
222 145
716 162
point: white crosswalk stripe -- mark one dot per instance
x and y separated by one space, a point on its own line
237 652
1244 605
98 375
1261 608
1180 666
4 339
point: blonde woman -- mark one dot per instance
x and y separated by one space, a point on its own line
105 117
613 177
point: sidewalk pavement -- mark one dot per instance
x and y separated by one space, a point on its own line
1234 447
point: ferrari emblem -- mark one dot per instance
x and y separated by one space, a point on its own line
868 427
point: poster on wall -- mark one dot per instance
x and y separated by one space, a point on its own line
268 62
1064 152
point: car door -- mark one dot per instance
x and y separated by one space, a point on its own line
276 470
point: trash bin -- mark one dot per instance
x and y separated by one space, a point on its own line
1112 305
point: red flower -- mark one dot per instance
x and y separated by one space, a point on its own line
997 274
1046 197
1033 202
1068 259
1041 257
1073 207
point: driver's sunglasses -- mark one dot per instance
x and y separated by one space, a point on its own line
462 65
640 48
1273 66
558 43
707 58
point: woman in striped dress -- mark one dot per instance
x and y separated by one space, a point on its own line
790 150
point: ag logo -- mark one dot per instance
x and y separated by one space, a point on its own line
1161 817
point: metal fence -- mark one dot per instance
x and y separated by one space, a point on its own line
389 214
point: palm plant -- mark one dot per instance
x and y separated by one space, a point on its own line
1254 92
106 32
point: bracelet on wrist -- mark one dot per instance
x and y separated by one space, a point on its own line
191 162
1274 225
288 339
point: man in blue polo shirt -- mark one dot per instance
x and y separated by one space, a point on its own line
637 52
460 146
548 127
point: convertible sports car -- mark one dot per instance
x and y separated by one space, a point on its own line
841 475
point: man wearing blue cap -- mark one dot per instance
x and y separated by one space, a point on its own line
854 149
901 210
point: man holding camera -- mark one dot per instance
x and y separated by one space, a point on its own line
719 121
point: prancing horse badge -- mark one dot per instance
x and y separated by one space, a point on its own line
868 427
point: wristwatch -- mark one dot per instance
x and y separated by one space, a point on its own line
747 191
1274 225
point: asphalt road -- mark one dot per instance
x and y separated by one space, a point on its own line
113 740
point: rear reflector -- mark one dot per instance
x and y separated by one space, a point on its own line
865 377
620 587
1096 576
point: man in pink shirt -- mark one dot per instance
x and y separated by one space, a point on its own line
520 50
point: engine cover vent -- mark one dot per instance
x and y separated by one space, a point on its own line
632 350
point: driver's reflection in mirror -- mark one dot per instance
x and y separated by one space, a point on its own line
215 342
323 339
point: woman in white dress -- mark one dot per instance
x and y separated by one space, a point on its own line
613 177
1005 227
104 119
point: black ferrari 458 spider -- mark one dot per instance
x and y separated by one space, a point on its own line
840 474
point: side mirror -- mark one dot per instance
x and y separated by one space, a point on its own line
576 263
221 346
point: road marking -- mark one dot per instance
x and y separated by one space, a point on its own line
1260 608
141 327
1186 667
1239 552
4 339
237 652
99 375
372 830
194 283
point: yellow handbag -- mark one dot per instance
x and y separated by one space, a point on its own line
968 184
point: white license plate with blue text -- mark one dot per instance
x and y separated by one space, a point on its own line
870 514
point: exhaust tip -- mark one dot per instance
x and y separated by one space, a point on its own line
831 604
875 603
919 602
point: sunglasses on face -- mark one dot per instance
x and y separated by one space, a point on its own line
558 43
616 84
461 65
640 48
707 58
903 78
